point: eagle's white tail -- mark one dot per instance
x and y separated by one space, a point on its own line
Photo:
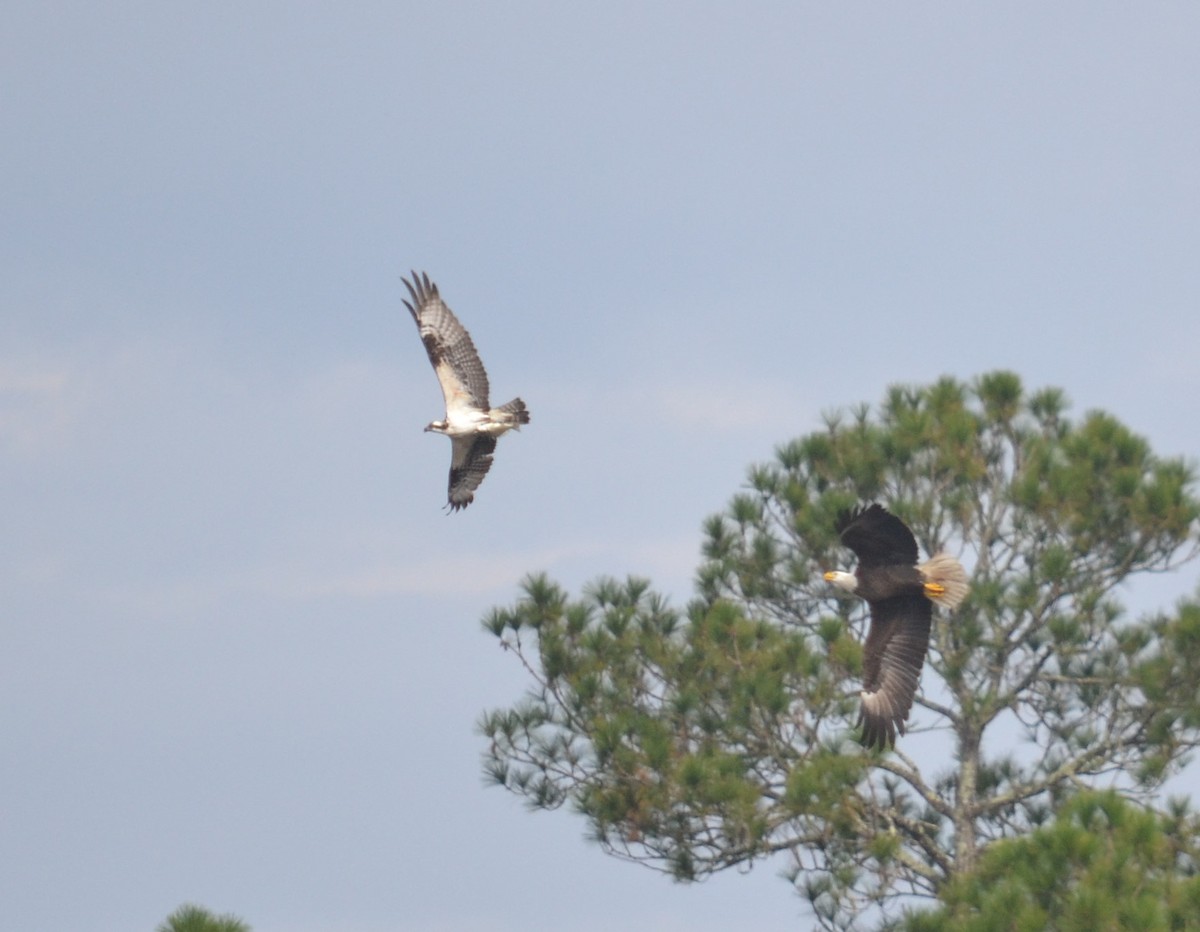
945 580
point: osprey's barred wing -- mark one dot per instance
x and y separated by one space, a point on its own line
877 537
453 355
470 459
892 659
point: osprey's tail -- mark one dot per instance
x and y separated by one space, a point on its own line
945 580
514 413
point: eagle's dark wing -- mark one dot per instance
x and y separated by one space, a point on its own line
892 661
454 357
470 459
877 537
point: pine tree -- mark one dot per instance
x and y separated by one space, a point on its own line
192 918
696 740
1103 865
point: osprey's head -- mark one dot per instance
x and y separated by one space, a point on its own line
847 581
438 427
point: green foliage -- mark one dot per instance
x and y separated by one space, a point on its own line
696 739
192 918
1103 864
658 729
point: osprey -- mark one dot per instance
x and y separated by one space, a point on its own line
900 595
470 423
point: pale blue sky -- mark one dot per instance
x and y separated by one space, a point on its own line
240 653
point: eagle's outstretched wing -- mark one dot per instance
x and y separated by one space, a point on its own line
453 355
877 537
892 659
470 459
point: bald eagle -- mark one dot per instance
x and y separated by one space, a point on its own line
470 423
900 595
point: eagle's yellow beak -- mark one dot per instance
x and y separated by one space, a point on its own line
829 577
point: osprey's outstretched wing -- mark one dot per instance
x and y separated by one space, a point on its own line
453 355
470 459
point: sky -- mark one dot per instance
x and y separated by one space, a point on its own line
241 658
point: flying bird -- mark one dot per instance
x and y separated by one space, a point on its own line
900 595
470 423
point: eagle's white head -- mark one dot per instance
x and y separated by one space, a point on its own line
438 427
847 581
